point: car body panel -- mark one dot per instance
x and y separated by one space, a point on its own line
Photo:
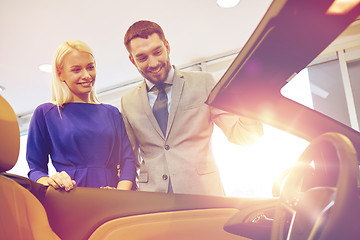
92 207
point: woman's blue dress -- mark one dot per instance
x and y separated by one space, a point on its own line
88 141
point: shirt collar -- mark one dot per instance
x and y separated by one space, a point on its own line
168 81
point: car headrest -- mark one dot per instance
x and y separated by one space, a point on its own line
9 136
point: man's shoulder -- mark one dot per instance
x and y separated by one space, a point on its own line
131 98
133 91
200 79
194 74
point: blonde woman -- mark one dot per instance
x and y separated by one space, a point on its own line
85 139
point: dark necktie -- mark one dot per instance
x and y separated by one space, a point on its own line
160 108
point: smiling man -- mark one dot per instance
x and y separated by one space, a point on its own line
168 123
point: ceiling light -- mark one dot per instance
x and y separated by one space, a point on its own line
227 3
46 68
342 6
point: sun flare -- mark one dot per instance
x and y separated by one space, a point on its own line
250 171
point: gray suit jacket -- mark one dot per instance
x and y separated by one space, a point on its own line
184 154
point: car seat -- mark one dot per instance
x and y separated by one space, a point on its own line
22 214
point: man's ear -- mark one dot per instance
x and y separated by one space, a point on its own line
167 45
132 59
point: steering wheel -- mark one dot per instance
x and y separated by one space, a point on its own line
319 212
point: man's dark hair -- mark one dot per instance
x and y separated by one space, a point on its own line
142 29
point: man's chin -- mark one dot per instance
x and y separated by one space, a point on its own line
156 79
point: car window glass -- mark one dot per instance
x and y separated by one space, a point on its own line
330 86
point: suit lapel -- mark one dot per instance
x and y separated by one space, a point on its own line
147 109
178 84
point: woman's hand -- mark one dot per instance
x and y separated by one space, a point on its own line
58 180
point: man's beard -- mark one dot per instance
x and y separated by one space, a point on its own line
159 79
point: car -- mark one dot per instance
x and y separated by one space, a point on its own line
318 198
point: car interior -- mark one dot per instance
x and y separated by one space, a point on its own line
317 199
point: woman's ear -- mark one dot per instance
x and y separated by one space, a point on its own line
60 77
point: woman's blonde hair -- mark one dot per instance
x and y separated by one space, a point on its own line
60 92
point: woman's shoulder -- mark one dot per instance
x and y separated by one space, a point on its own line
109 107
45 108
114 110
44 111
